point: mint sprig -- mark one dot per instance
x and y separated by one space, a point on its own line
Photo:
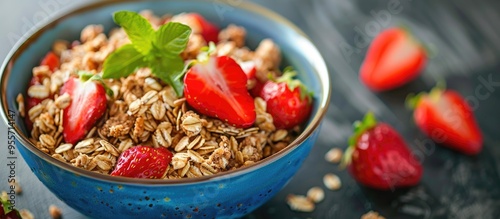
159 50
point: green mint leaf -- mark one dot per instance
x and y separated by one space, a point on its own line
170 72
172 37
138 29
123 62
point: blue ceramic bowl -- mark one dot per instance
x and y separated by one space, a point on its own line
225 195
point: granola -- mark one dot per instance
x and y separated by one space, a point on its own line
145 111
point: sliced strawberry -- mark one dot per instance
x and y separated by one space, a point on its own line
199 25
446 118
378 157
143 162
288 100
393 59
217 88
51 60
250 69
88 104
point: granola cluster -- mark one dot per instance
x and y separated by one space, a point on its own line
146 111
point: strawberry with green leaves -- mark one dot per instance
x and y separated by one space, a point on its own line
7 211
393 59
287 99
143 162
444 116
216 87
88 104
379 158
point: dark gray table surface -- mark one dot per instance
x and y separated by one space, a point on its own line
465 38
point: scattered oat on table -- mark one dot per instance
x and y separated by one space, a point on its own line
316 194
55 212
334 155
26 214
17 186
332 181
372 215
300 203
4 196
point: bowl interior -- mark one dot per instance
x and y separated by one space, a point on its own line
260 23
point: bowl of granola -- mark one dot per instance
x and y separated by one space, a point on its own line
165 109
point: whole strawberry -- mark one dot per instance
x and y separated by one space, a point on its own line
88 104
287 99
445 117
143 162
7 211
393 59
379 158
216 87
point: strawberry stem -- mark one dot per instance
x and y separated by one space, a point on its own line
288 77
7 207
430 50
87 76
206 52
412 100
360 127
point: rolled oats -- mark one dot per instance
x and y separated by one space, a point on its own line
59 157
332 181
316 194
63 101
26 214
64 147
334 155
86 146
153 84
103 162
47 141
300 203
179 160
55 212
108 147
38 91
372 215
20 105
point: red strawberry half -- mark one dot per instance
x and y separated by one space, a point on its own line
88 104
249 68
217 87
379 158
393 59
143 162
199 25
445 117
288 100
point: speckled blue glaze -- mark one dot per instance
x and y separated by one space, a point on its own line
227 195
